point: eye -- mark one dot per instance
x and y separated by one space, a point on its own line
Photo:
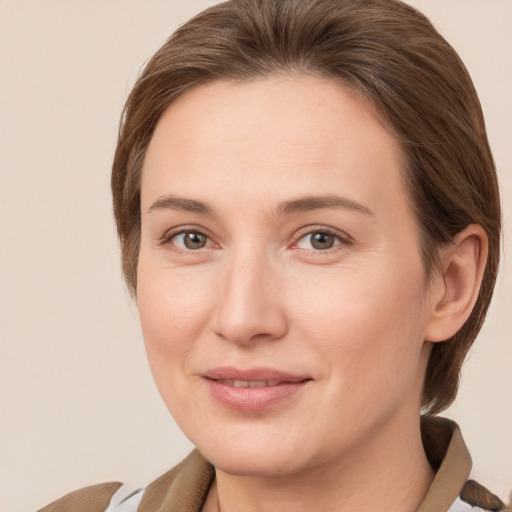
320 240
189 240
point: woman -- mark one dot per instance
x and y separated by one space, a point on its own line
309 219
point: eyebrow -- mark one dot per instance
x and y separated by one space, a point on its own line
301 205
306 204
181 204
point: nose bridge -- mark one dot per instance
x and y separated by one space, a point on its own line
248 303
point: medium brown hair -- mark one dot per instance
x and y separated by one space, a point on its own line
390 55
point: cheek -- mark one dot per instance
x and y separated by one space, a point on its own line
369 325
174 307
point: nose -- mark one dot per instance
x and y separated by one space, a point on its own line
249 306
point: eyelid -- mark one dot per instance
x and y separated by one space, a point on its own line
344 238
166 238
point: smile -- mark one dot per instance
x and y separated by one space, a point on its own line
256 389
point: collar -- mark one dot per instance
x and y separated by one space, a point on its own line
449 456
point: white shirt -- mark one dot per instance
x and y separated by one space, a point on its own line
125 499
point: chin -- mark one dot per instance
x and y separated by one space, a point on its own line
253 463
257 456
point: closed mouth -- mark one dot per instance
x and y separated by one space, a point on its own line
252 378
254 389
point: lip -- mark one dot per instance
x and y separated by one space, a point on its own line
274 386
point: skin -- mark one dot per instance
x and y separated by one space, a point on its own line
353 318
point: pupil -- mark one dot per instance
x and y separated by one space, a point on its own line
322 241
194 240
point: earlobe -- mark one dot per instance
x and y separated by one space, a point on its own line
463 264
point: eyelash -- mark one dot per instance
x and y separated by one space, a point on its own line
342 239
167 238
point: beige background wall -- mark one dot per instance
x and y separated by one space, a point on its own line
77 403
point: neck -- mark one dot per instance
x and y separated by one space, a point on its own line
390 472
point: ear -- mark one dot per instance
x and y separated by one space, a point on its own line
455 290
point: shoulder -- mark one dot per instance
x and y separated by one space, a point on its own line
183 488
449 457
95 498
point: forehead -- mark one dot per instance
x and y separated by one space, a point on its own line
275 136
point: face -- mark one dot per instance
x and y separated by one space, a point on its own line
280 284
